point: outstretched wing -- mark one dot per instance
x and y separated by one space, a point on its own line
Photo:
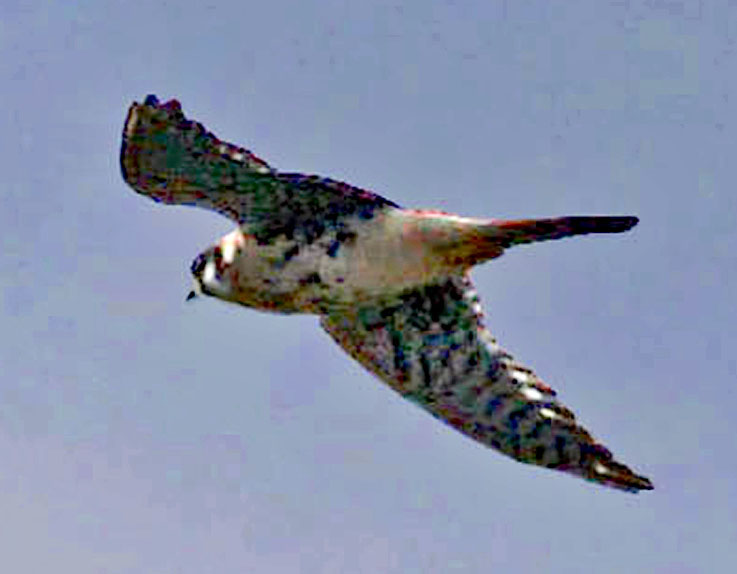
172 159
430 345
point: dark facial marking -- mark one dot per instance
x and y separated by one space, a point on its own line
198 265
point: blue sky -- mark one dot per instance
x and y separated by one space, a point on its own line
142 434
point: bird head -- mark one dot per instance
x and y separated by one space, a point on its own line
209 273
212 269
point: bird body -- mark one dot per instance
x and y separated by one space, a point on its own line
393 251
390 285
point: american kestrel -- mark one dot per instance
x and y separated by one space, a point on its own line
391 285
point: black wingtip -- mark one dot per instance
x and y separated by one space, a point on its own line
609 472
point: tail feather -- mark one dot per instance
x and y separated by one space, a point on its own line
508 233
466 242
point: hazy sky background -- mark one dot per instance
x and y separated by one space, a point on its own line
142 434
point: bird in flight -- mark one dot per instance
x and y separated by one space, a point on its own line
391 285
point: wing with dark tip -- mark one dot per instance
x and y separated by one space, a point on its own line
175 160
430 345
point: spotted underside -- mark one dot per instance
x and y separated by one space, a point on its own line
430 345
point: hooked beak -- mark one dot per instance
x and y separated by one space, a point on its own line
195 292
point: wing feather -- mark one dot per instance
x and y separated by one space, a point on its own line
430 345
174 160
